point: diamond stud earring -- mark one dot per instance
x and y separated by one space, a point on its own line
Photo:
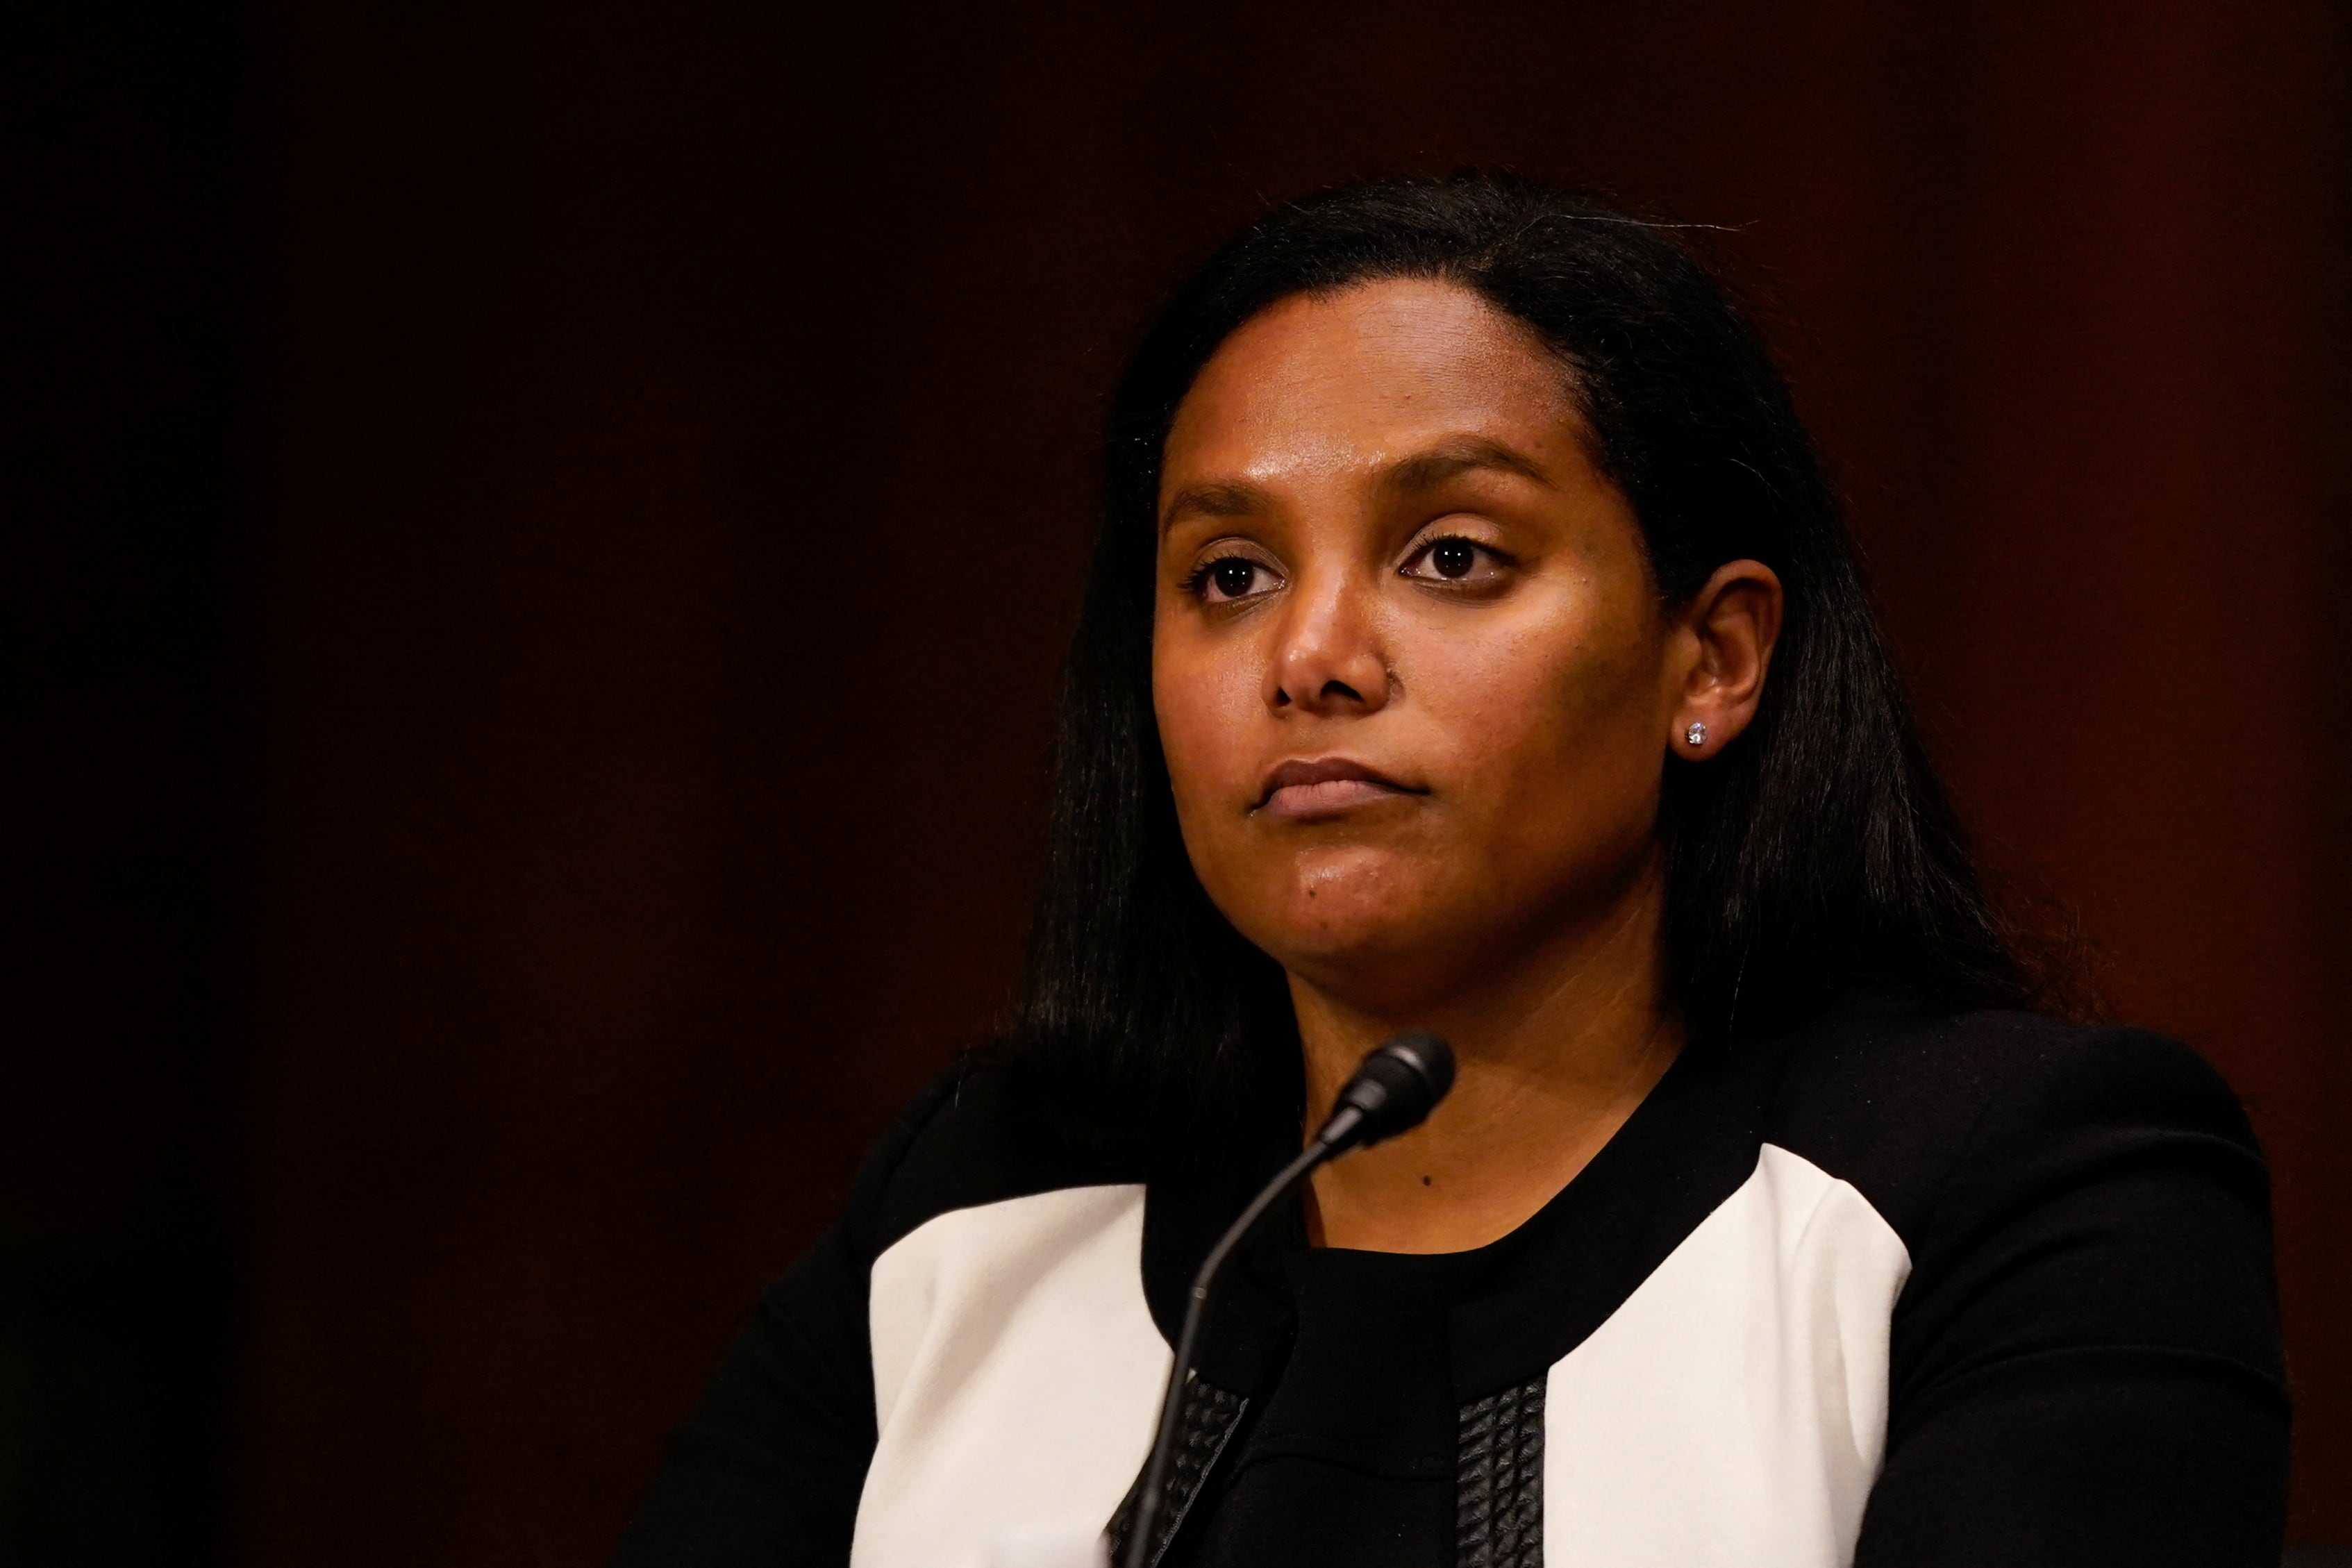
1695 734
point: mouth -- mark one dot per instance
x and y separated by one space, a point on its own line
1298 791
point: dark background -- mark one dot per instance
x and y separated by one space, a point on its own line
540 536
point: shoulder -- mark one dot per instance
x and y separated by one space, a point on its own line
978 1134
1918 1108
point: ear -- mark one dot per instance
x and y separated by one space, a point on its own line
1719 648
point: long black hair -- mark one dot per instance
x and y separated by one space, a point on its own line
1816 851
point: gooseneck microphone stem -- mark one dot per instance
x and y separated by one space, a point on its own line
1171 1404
1392 1091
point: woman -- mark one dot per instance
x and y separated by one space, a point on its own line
1473 644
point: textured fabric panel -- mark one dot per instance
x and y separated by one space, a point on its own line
1499 1521
1203 1426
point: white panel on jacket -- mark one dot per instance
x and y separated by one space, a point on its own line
1732 1413
1016 1372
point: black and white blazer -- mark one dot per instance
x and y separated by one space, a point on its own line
1903 1288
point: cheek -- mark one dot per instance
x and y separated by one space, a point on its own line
1551 728
1204 697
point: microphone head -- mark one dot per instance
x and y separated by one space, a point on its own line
1393 1090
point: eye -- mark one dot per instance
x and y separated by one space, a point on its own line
1232 577
1453 559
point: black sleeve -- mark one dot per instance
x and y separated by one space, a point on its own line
768 1469
2086 1365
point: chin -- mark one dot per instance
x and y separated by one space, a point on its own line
1353 920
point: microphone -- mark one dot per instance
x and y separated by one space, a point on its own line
1393 1090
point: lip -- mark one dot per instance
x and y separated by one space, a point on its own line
1324 786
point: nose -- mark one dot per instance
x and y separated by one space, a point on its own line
1328 656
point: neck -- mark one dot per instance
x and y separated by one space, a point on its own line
1552 1054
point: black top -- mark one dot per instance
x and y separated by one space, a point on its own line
2081 1365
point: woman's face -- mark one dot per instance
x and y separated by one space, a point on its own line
1412 679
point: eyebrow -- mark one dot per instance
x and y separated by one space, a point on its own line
1235 499
1408 476
1463 455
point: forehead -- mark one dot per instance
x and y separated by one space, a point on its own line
1367 374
